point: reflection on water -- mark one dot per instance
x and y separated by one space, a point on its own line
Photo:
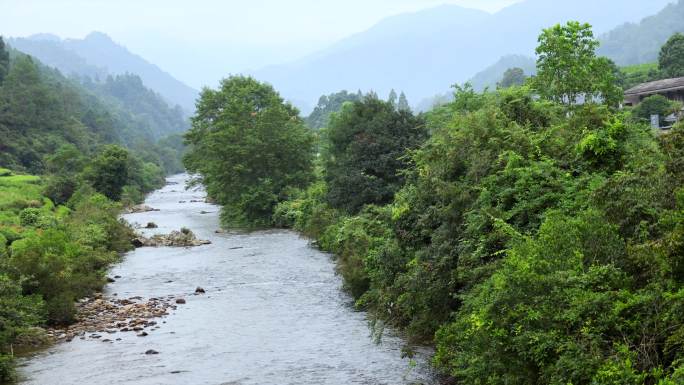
273 314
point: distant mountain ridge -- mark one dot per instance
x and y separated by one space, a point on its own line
424 52
639 43
97 56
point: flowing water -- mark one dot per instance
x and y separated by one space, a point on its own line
274 313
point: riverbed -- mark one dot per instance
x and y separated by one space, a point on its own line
274 313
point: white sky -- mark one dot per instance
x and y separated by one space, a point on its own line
227 36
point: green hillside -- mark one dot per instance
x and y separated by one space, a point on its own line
41 110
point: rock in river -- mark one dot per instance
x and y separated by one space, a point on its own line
140 209
182 238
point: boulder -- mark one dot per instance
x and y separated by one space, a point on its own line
139 209
151 225
182 238
199 290
151 351
180 301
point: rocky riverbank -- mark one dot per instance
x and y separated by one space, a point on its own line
99 318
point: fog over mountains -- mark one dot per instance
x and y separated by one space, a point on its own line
97 56
422 52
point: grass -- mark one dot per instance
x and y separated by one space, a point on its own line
639 68
18 192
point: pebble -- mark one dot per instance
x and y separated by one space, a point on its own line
98 315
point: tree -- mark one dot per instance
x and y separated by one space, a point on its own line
403 103
327 104
513 77
4 60
671 59
568 69
392 100
367 142
250 148
655 105
109 172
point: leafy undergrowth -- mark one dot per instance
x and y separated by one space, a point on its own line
50 256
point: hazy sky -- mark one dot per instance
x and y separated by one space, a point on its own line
227 36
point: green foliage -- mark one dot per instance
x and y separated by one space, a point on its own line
4 60
327 105
17 313
250 147
403 104
44 117
636 43
637 74
513 77
567 67
109 172
655 105
367 143
671 58
50 255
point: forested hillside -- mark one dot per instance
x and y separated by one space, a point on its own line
531 238
93 151
639 43
41 110
97 56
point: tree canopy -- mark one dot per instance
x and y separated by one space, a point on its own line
249 147
513 77
367 141
568 70
328 104
671 58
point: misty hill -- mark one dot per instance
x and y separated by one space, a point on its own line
490 76
638 43
97 55
41 110
423 51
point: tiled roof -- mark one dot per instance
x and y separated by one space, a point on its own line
657 86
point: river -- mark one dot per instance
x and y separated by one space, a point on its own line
273 314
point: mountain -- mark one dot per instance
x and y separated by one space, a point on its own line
97 56
492 75
423 52
639 43
41 111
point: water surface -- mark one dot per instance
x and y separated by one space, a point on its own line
273 314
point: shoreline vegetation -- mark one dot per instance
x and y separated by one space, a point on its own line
52 256
533 233
71 159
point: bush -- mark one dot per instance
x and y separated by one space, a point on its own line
62 309
60 188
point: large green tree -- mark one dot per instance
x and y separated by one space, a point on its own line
4 60
249 147
367 144
568 69
671 59
109 172
513 77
